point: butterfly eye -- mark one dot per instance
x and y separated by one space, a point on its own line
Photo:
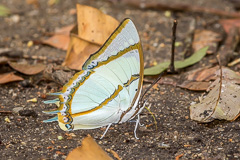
65 119
136 90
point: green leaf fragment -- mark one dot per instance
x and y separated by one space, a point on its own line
4 11
196 57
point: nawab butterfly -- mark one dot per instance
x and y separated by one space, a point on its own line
107 90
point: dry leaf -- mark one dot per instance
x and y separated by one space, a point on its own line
61 38
78 52
35 3
27 68
195 86
204 38
203 74
228 24
4 60
227 49
9 77
58 41
114 154
89 150
65 30
93 25
222 102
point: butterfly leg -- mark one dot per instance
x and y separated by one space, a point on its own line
135 129
106 130
139 121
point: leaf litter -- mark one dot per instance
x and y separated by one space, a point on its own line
93 29
196 57
89 150
204 38
9 77
61 38
27 68
222 101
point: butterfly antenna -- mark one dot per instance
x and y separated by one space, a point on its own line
106 130
159 77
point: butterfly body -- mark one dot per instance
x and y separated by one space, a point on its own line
108 88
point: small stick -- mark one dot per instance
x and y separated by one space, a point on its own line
171 66
5 113
174 28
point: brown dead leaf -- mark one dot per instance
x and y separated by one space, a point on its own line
228 24
222 101
231 42
78 52
35 3
27 68
4 60
65 30
93 25
195 86
60 39
204 38
89 150
203 74
114 154
9 77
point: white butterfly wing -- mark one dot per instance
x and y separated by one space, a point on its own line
108 88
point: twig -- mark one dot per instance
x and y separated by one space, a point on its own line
179 156
5 112
180 7
174 28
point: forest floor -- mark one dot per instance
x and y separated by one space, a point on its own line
25 136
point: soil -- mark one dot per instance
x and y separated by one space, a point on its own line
23 135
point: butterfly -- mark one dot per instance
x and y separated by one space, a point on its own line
107 90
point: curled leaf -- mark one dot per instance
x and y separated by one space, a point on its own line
195 86
78 52
61 38
27 68
93 29
9 77
204 38
222 102
93 25
89 150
